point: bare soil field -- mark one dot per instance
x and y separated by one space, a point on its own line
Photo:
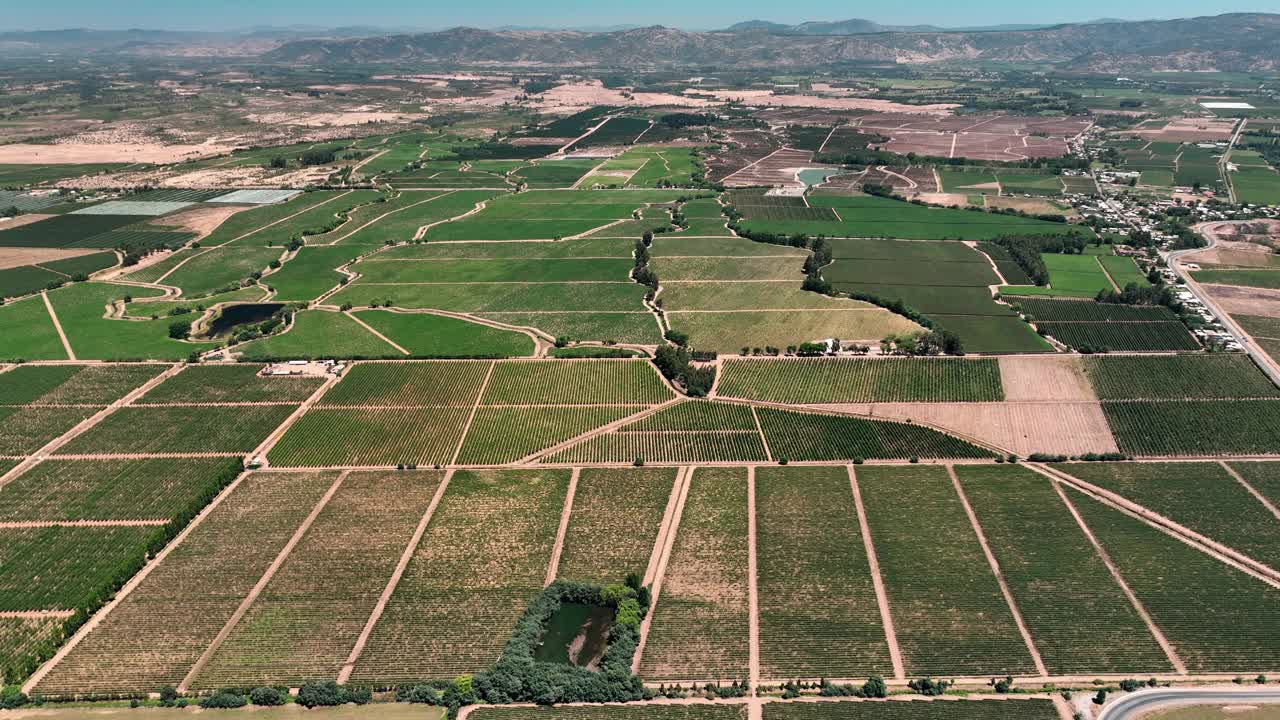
767 97
201 219
944 199
746 147
75 153
21 220
1044 378
779 168
984 137
1188 130
328 119
1035 206
1068 428
1237 300
15 257
908 179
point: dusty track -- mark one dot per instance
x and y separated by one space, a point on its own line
877 581
682 481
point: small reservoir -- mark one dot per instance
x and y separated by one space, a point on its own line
576 634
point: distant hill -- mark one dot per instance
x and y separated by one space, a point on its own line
1236 42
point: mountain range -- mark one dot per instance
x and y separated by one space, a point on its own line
1236 42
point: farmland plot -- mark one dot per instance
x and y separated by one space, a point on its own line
72 384
1057 578
818 613
415 384
1200 496
1123 337
615 521
1218 618
22 640
163 429
240 383
29 333
586 382
1261 476
317 334
158 632
306 621
484 556
699 711
246 223
666 447
697 415
1196 427
1177 377
1012 709
699 626
500 435
67 567
949 613
430 335
861 380
24 430
804 436
371 436
149 489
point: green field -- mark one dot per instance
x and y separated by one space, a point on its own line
803 380
612 533
1014 709
1195 427
1248 278
1181 377
161 429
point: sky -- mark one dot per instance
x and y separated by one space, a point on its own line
704 14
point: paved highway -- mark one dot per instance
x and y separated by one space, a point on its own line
1174 258
1133 706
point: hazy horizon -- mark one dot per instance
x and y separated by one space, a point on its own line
402 14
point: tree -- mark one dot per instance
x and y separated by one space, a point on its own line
266 697
875 687
180 329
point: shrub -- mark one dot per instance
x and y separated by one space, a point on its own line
419 695
330 693
180 329
223 700
875 687
929 686
168 696
266 696
1129 684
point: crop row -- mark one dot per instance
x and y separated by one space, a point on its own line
23 642
66 567
1218 618
483 557
306 621
575 383
351 436
1012 709
818 613
506 434
948 611
24 430
1190 377
615 520
803 436
156 634
231 383
180 429
702 711
414 384
1195 427
862 380
72 384
1057 578
697 415
1200 496
1122 336
699 626
666 447
1088 311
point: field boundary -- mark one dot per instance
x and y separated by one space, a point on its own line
260 453
392 582
1252 490
261 585
66 344
1103 555
1023 630
553 567
127 589
753 592
466 429
683 480
877 581
375 333
663 528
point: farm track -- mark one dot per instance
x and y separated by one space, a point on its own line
377 334
753 593
270 572
394 581
1251 489
66 344
877 580
265 446
683 478
996 572
553 567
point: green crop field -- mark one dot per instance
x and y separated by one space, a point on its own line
244 225
501 435
1057 578
1269 279
306 621
422 209
1086 311
1198 166
210 572
1123 337
507 517
161 429
67 567
24 640
311 272
24 430
1123 271
823 380
1263 477
428 335
73 384
967 180
381 436
1199 496
697 415
818 613
26 279
1069 276
320 334
699 711
80 309
614 523
29 332
803 436
948 612
1180 377
465 270
1218 618
64 230
699 624
146 489
240 383
584 382
415 384
666 447
219 268
1196 427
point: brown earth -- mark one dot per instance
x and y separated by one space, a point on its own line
1067 428
1035 206
1041 379
1236 300
201 220
72 153
16 257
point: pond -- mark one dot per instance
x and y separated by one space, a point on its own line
232 316
576 634
815 176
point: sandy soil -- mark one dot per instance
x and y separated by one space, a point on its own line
1236 300
1191 130
201 219
1030 205
944 198
587 94
21 220
1041 379
767 97
68 153
15 257
1068 428
327 119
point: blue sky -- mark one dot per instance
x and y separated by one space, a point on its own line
230 14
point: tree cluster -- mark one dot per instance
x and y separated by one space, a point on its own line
674 362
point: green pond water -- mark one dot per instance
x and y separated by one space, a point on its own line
814 176
576 634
